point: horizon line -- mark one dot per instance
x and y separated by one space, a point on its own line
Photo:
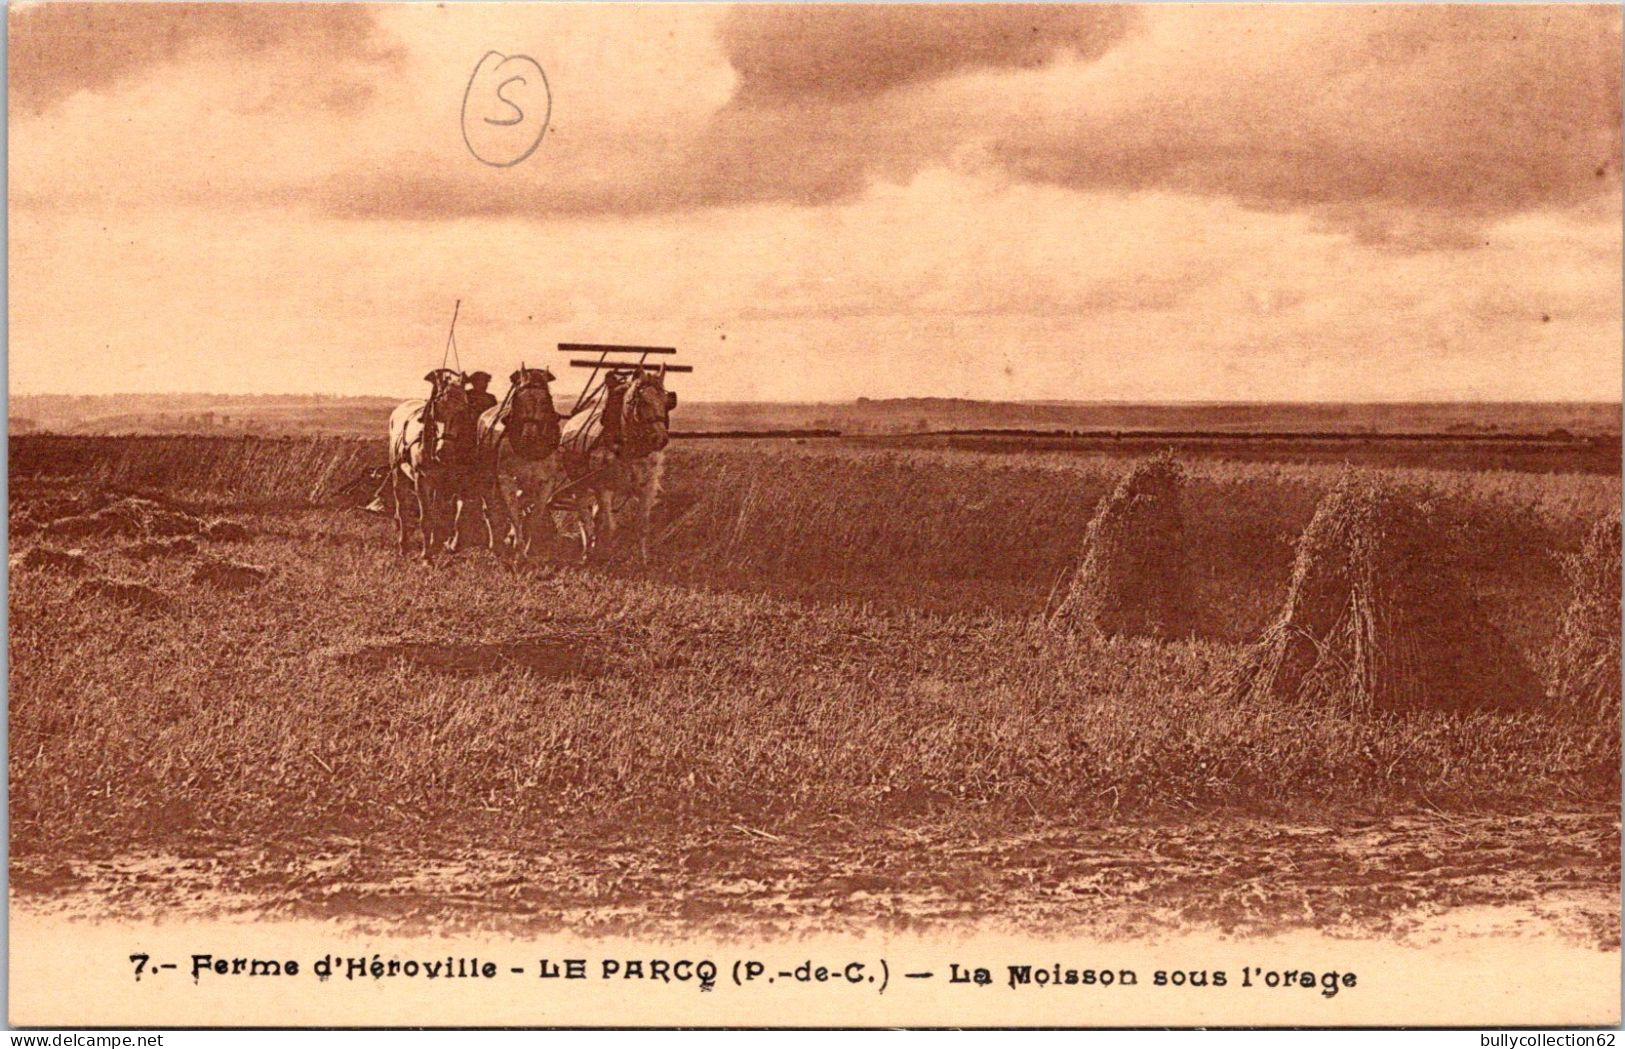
1118 401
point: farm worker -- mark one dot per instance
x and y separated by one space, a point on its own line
479 398
615 384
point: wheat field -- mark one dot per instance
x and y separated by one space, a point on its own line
838 647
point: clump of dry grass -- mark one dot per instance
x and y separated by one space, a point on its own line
122 593
36 514
1584 665
229 575
1378 619
167 546
1132 578
130 516
223 530
51 559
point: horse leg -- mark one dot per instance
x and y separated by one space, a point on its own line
606 508
516 510
499 518
523 511
479 496
400 507
643 527
490 505
457 502
425 494
528 528
585 522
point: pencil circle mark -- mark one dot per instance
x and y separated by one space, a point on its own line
507 106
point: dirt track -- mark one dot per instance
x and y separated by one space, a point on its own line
1405 877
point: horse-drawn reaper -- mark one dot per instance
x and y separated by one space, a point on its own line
612 449
515 466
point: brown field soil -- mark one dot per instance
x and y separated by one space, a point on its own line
829 702
1402 877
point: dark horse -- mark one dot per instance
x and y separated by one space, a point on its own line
519 462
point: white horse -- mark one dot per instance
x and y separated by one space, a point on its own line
431 453
519 466
616 454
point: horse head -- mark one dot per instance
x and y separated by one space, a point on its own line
531 422
448 419
646 413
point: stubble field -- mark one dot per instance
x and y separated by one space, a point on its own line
831 699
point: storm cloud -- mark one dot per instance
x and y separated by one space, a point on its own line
1408 118
834 51
57 49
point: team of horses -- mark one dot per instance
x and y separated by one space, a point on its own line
515 464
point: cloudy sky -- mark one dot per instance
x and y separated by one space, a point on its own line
1055 202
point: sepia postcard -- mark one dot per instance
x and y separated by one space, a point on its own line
803 515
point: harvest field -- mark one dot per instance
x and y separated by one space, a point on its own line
832 699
